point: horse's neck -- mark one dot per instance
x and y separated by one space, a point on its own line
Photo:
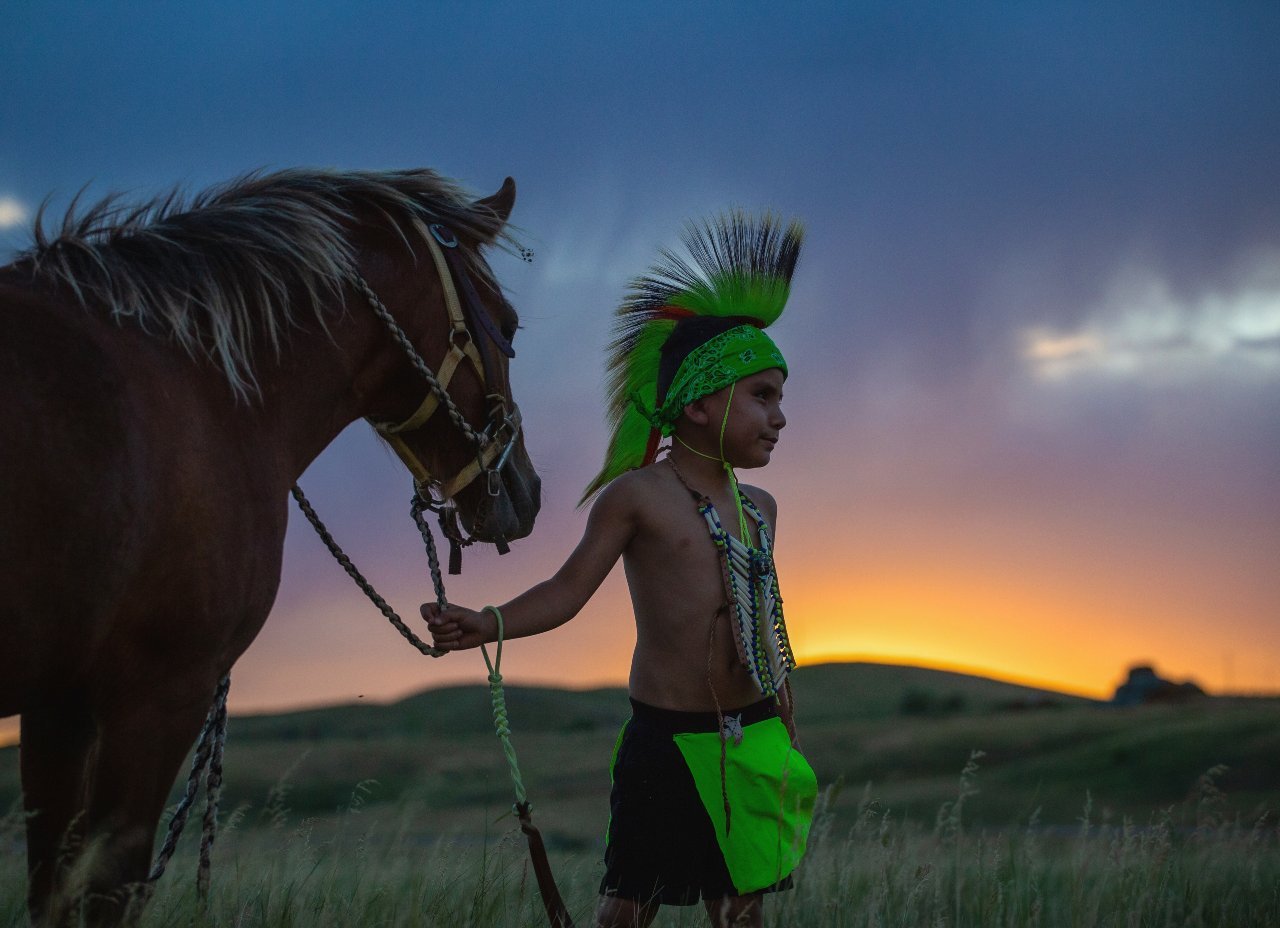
324 381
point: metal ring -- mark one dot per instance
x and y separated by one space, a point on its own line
439 233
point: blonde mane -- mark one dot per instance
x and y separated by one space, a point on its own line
244 260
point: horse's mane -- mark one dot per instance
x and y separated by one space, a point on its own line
244 259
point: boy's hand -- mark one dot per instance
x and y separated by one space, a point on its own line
457 629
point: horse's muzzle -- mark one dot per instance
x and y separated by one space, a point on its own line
510 513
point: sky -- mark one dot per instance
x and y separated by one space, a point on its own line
1034 336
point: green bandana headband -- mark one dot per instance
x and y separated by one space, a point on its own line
736 265
714 365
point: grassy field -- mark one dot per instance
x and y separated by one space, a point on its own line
1075 814
376 866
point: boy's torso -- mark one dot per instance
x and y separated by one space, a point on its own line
677 593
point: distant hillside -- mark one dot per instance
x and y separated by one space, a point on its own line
831 692
451 710
828 692
906 731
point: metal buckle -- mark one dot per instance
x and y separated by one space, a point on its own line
439 233
506 452
493 433
427 493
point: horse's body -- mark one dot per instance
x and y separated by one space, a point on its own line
144 496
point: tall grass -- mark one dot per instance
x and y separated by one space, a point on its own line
372 867
887 873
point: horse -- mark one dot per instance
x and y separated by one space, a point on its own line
170 369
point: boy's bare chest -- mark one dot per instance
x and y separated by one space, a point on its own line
674 533
679 545
676 579
674 568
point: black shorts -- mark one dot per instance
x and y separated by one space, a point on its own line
661 845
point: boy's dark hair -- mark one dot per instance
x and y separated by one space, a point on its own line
689 334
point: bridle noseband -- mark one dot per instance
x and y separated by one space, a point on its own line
495 442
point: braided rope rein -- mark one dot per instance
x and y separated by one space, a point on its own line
437 581
207 765
401 339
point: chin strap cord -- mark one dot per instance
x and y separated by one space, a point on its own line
557 913
744 533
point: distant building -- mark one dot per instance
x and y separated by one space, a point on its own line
1145 686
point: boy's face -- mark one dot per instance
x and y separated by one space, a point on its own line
755 418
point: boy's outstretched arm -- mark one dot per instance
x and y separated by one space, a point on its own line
553 602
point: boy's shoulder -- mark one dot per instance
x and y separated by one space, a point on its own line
644 485
763 499
647 494
656 482
643 495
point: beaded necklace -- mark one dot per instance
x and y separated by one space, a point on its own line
751 592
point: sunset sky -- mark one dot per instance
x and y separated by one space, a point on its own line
1034 337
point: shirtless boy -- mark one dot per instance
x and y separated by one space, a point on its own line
711 800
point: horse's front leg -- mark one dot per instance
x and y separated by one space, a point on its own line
143 738
57 739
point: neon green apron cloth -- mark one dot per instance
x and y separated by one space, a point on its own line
771 789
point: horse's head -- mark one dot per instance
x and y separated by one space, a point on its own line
464 442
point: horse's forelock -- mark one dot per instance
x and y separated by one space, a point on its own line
215 270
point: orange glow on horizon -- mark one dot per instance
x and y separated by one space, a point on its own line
929 663
1003 626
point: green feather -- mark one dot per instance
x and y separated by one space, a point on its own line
739 294
630 377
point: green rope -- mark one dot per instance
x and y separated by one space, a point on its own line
499 700
744 533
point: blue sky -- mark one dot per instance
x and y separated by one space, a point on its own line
1036 323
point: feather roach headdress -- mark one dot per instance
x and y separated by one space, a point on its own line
739 269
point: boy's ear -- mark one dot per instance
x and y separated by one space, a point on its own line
696 412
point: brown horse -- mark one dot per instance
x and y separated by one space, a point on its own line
169 371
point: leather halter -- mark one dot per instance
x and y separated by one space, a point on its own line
498 439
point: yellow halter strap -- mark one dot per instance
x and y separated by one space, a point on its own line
461 348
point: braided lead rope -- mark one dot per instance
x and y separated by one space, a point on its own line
552 902
341 557
499 699
416 507
210 743
401 339
212 793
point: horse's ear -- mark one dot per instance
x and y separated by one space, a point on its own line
493 211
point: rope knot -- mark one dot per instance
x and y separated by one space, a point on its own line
498 699
660 419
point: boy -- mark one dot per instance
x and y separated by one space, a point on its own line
709 797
